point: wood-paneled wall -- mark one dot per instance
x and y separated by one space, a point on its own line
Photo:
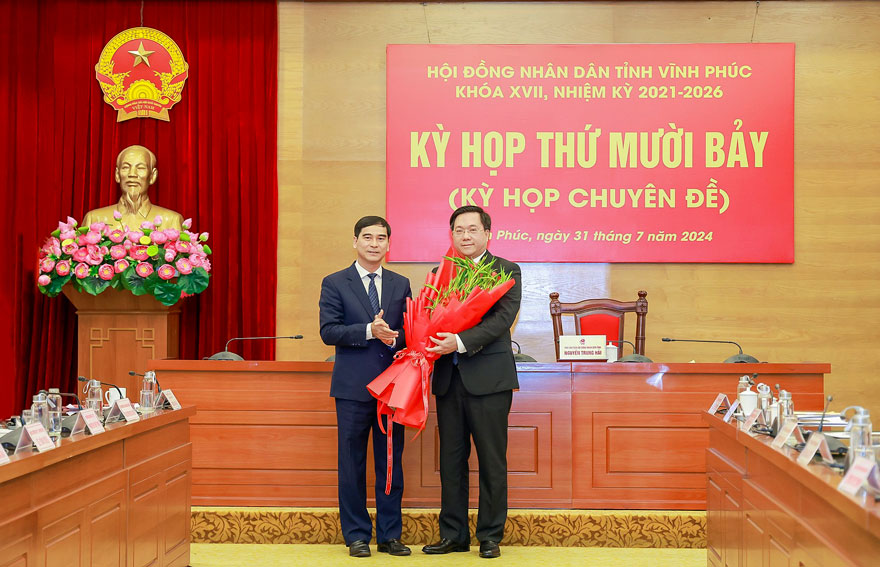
821 308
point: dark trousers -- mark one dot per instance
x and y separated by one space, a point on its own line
355 420
461 416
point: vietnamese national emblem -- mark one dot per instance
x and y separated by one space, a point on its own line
141 72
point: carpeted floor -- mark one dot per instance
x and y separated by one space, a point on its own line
531 528
269 555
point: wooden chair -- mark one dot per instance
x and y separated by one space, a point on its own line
600 317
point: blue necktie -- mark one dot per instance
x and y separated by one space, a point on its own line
373 293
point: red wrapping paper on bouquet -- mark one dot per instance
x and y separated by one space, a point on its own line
450 301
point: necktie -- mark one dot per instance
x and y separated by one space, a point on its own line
373 293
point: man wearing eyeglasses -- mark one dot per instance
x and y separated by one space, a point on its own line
473 383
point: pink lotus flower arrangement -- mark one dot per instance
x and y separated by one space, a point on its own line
167 264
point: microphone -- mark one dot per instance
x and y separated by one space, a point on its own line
835 446
824 410
634 357
518 356
226 355
84 379
133 373
76 397
735 358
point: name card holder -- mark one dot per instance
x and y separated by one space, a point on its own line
168 396
789 426
856 476
87 420
582 347
730 411
122 407
34 434
757 416
721 402
817 442
4 458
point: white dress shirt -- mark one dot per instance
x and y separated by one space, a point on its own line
365 279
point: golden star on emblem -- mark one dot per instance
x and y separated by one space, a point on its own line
141 55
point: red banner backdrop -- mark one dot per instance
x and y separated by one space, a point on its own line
594 153
216 160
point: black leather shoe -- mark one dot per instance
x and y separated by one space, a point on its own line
393 547
359 548
489 549
445 546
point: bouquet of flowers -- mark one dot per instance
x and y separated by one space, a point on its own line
453 299
167 263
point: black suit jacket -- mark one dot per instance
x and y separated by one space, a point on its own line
344 313
487 366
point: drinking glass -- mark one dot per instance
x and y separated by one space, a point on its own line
27 417
146 401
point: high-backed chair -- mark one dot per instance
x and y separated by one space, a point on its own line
600 317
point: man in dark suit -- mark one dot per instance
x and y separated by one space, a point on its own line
362 316
473 383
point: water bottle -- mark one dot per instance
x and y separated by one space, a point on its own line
743 385
40 409
765 399
148 395
786 406
55 413
859 427
95 397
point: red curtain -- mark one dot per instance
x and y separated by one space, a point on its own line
216 160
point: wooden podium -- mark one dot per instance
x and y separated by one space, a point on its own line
581 435
118 332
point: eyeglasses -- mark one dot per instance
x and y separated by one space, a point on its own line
473 231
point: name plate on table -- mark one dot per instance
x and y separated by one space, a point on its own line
87 419
730 411
755 417
4 458
34 433
720 399
856 476
816 442
582 347
122 407
789 426
168 396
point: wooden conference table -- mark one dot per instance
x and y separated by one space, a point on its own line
764 509
582 435
119 498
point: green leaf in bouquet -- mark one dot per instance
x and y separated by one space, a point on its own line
133 282
207 249
54 287
151 281
56 233
152 250
194 283
82 230
94 285
147 231
167 293
185 237
66 241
